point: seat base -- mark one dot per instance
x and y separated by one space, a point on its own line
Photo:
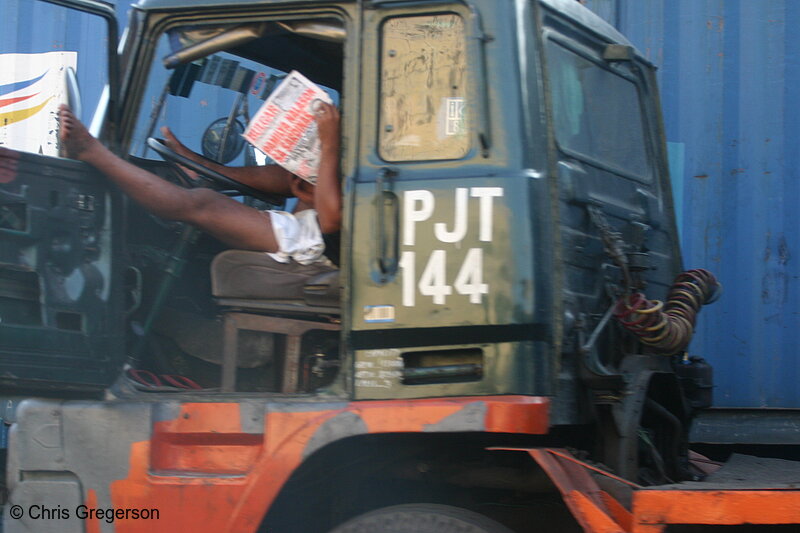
252 287
293 329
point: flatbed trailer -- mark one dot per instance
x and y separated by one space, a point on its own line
745 491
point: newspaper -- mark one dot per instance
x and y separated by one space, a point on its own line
284 128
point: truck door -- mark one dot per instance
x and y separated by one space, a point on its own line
440 303
60 302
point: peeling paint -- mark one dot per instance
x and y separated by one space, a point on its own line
716 24
783 251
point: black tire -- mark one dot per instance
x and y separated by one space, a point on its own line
421 518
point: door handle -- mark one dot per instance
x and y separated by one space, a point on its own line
387 222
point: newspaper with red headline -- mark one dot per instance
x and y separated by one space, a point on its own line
284 128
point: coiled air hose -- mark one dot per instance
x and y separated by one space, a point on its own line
669 328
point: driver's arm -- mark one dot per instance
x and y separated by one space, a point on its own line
328 192
271 179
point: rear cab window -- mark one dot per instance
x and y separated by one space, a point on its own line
423 90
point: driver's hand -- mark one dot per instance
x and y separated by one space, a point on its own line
194 176
327 117
173 143
302 190
179 148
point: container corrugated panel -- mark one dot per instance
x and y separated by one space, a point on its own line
730 85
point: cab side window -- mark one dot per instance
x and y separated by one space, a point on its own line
423 89
597 113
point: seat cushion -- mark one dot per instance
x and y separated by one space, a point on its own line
256 276
323 289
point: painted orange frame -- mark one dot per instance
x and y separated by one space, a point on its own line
204 472
652 509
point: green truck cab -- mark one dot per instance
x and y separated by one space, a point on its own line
492 154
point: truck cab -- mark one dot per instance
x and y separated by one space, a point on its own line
494 155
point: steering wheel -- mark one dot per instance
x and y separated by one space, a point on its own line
211 176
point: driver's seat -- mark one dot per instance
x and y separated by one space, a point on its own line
253 288
254 280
